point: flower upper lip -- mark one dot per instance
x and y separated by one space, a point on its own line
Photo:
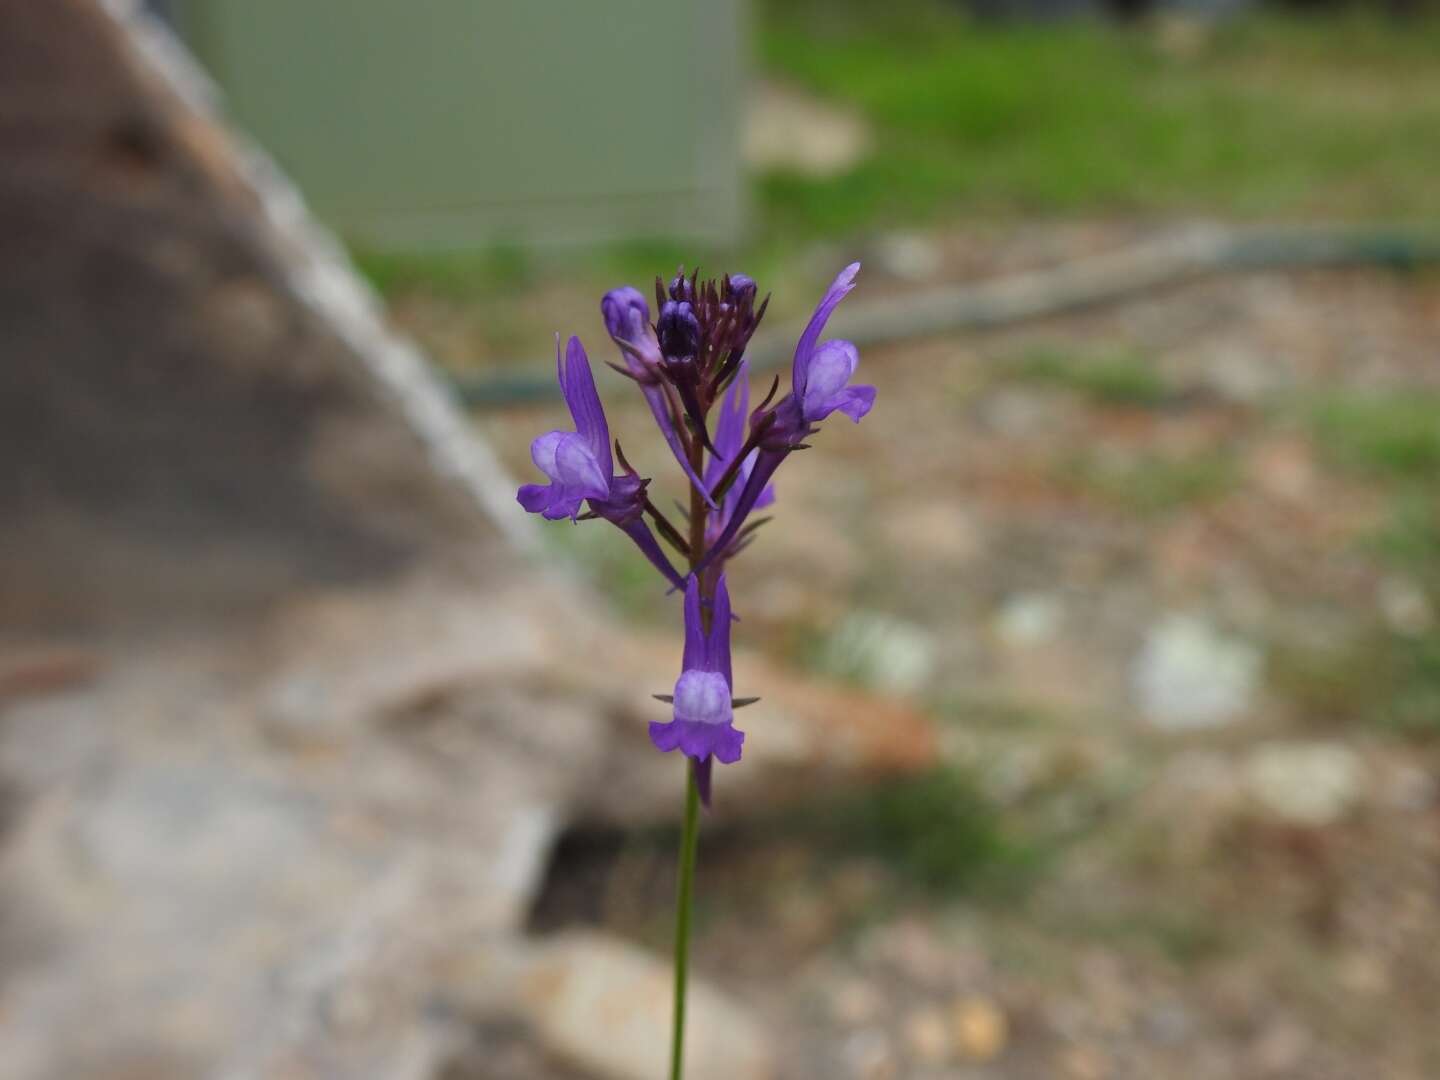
581 469
819 378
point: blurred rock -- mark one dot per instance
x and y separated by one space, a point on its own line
787 130
936 531
1167 1022
854 1002
606 1007
1240 373
1309 784
1364 973
881 652
910 948
1188 675
1405 606
980 1028
927 1037
914 257
1406 787
1018 413
1279 1049
1029 619
1085 1061
868 1055
1182 32
1284 468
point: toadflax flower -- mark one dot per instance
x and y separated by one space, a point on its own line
729 443
627 319
581 468
703 726
819 385
691 359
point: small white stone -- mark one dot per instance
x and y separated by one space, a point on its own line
869 1056
854 1002
605 1006
1029 619
1405 607
981 1028
787 129
882 652
1311 784
912 256
1190 676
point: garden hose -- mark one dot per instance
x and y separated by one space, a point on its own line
1100 279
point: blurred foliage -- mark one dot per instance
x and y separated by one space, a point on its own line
1147 484
1410 538
1376 674
495 270
1375 677
937 832
1264 116
608 560
1393 435
1188 938
1112 379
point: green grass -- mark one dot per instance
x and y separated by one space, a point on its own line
1391 436
937 832
1375 675
1117 379
609 561
1264 118
1409 540
495 271
1188 938
1150 486
1376 678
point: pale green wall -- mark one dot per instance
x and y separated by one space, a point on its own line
449 123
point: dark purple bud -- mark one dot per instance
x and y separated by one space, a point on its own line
679 330
682 287
740 290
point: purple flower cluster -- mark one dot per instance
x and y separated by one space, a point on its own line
685 362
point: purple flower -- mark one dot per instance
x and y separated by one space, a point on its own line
679 331
820 376
730 441
627 318
681 287
704 715
738 316
820 385
577 462
740 290
581 468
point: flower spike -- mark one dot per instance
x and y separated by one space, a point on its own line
820 385
581 469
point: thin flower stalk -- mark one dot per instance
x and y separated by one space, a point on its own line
690 359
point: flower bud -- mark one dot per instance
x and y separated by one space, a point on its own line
627 315
740 290
679 330
682 287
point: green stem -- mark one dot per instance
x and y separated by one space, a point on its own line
689 843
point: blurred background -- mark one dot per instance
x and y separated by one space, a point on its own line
1143 532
